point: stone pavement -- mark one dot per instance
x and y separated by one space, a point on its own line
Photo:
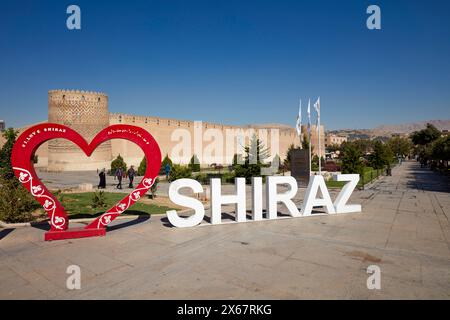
404 229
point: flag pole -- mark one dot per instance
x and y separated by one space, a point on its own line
320 151
309 134
300 124
310 169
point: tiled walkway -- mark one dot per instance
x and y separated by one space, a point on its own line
404 229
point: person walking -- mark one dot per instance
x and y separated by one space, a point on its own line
119 175
167 169
131 174
102 176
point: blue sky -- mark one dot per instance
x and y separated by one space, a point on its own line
231 61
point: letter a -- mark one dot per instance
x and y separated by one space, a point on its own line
374 20
374 280
74 280
315 184
74 20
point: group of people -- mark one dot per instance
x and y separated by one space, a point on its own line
119 174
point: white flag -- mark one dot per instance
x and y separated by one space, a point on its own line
317 107
298 126
309 116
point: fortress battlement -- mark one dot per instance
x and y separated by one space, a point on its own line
71 91
171 122
87 113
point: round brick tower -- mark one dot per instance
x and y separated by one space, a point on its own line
87 113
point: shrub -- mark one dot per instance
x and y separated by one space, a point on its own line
154 188
98 200
202 178
179 172
228 177
16 203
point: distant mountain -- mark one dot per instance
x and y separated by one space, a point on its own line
410 127
389 130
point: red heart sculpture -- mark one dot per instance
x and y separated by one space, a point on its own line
26 146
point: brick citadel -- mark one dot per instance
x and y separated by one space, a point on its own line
87 112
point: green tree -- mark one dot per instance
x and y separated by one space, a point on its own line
142 167
255 154
441 149
194 164
381 156
425 136
305 142
333 148
351 159
287 160
6 170
118 163
400 146
16 203
365 146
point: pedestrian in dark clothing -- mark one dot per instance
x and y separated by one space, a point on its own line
102 176
131 174
119 175
167 168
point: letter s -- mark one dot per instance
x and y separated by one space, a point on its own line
185 201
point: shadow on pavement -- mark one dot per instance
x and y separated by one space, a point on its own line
427 180
41 225
141 217
5 232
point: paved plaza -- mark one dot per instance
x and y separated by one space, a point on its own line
404 229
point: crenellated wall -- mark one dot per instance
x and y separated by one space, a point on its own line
87 112
164 129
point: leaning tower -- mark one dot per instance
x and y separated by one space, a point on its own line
87 113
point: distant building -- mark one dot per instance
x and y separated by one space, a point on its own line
315 139
2 125
333 139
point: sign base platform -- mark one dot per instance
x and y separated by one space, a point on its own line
74 233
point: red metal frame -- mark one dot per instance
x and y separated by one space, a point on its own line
30 140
